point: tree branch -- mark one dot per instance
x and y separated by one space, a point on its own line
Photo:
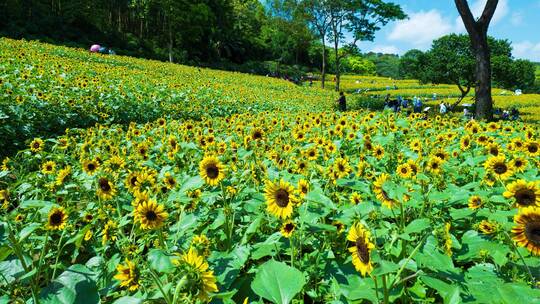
487 14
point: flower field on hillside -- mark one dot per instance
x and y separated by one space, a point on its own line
282 207
46 89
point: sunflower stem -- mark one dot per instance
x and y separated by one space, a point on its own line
385 289
160 286
533 280
181 283
291 245
57 254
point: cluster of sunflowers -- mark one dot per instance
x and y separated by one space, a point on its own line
282 207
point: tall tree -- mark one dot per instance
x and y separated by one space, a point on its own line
477 30
317 14
361 18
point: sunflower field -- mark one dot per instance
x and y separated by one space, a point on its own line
285 202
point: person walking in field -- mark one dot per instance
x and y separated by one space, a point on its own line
342 102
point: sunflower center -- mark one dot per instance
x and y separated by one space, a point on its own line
282 198
532 231
404 170
525 197
532 148
362 250
518 163
91 167
257 135
151 215
104 185
56 219
500 168
289 227
212 171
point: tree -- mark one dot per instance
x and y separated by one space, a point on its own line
477 30
361 66
361 18
411 64
318 16
513 74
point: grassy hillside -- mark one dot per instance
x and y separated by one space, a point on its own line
45 89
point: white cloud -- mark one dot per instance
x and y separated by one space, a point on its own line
527 50
421 28
385 49
478 7
517 18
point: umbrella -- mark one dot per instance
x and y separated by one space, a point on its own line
95 48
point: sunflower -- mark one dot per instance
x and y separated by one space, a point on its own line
524 193
339 226
404 170
447 239
280 198
48 167
288 228
487 227
90 166
211 170
355 198
434 164
303 187
150 214
109 232
36 145
519 164
201 280
532 148
475 202
361 251
465 142
312 153
57 219
497 165
526 233
380 193
170 181
105 189
127 275
62 175
342 167
378 151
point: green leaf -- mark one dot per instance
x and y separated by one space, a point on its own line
26 231
3 233
75 285
384 267
192 183
128 300
417 226
160 261
35 204
228 265
278 282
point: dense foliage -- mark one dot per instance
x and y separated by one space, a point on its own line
451 60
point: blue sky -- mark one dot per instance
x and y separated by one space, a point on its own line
515 20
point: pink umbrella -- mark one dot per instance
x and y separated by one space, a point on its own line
95 48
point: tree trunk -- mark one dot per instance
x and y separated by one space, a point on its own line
323 68
336 53
463 95
484 103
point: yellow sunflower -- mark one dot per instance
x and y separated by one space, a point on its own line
526 233
475 202
150 215
90 166
303 187
280 198
201 280
497 166
361 251
288 228
519 164
105 189
404 170
378 151
342 167
355 198
57 219
48 167
127 275
211 170
36 145
487 227
524 193
532 148
380 193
